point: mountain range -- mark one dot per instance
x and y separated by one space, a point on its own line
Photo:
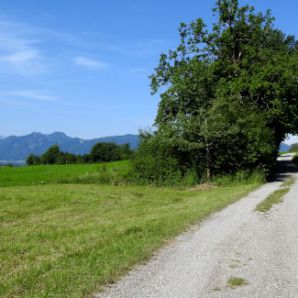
15 149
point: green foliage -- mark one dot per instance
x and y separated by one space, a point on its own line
295 159
101 152
237 139
125 152
33 160
228 97
51 155
240 177
293 148
157 162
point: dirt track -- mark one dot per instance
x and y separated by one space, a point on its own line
261 248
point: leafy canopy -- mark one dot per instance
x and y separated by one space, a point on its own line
229 95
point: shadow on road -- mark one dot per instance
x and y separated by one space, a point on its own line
285 168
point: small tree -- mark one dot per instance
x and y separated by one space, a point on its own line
51 155
33 160
125 152
70 158
103 152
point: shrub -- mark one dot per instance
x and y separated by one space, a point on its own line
33 160
156 162
257 176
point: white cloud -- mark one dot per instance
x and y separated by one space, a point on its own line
29 94
21 57
89 63
291 140
19 52
27 62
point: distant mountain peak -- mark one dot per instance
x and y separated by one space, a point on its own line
58 133
32 133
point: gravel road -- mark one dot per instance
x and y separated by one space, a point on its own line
261 248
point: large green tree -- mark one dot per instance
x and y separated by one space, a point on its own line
229 96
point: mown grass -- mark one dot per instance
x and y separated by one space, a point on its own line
282 152
68 240
112 172
276 197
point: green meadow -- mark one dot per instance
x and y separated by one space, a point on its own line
78 173
64 239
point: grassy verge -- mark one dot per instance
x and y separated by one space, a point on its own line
276 197
69 240
112 172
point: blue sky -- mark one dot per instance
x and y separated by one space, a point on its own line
82 66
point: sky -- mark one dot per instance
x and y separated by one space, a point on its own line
82 67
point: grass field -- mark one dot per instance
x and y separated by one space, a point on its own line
44 174
67 240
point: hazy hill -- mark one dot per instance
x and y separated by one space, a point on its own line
284 147
15 148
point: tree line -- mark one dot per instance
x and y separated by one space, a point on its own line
228 99
100 152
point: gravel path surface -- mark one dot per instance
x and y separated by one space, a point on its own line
261 248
